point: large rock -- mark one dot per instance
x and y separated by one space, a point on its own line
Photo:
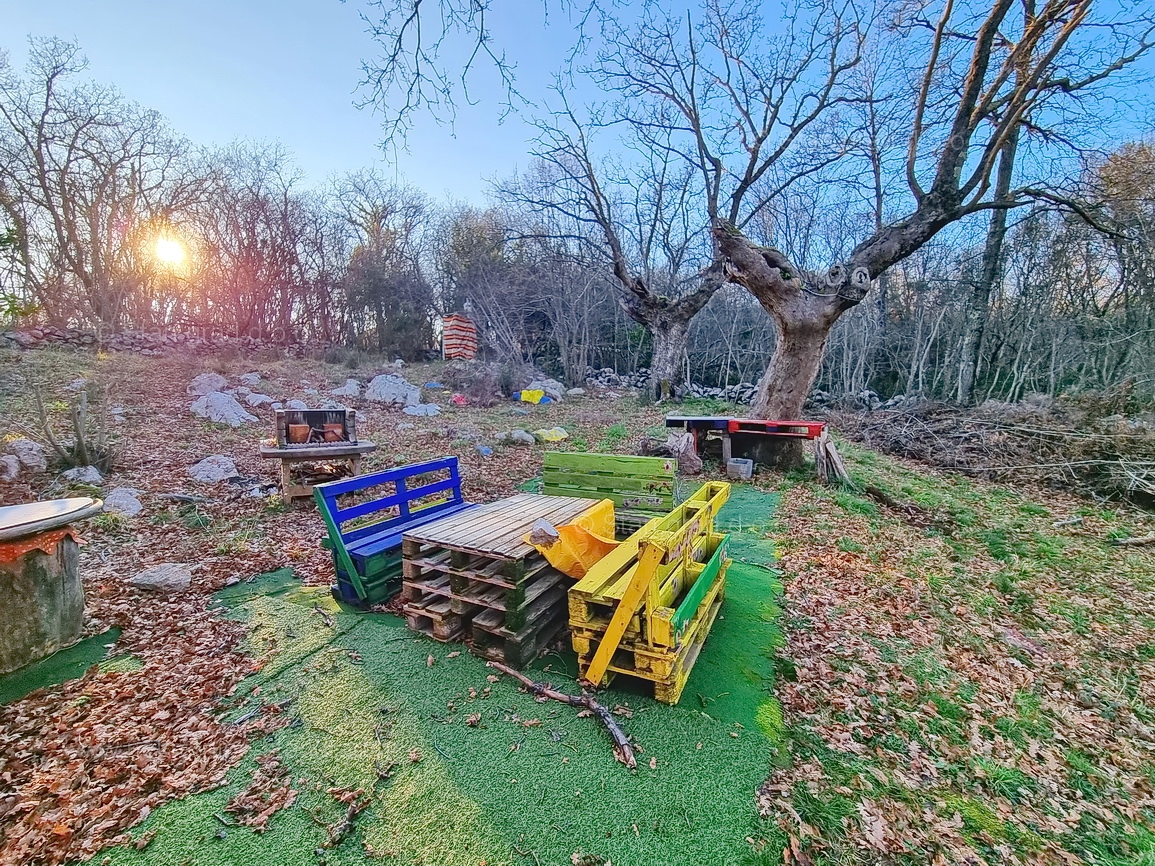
296 404
84 475
166 577
251 379
516 437
393 390
221 409
206 383
30 454
351 388
576 392
9 467
256 400
423 409
123 500
554 389
214 468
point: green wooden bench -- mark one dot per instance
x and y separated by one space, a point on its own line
641 487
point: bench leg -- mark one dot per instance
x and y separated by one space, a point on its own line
726 452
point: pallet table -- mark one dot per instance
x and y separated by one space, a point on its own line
471 577
726 428
349 453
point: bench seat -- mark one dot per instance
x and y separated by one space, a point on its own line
367 557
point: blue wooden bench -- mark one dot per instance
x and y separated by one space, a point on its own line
365 536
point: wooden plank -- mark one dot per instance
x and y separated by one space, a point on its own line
615 463
599 481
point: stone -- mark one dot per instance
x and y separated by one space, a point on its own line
296 404
77 384
576 392
405 425
256 400
123 500
311 392
351 388
214 468
30 454
521 437
9 467
423 409
388 388
84 475
166 577
251 379
206 383
554 389
221 409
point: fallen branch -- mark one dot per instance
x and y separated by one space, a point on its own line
623 748
1070 521
324 615
1142 539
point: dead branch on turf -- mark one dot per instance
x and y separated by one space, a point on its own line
623 748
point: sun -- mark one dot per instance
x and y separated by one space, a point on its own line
169 251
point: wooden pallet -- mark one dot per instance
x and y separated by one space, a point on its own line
645 609
640 487
476 580
668 669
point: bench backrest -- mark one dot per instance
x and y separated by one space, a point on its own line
403 497
642 485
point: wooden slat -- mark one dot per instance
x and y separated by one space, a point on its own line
496 529
611 463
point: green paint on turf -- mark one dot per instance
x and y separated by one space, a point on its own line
66 664
484 793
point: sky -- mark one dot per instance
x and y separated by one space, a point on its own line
288 70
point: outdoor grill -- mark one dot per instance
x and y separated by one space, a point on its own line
301 428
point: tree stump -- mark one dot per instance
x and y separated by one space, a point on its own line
45 602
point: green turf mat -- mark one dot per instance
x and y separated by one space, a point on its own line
66 664
363 695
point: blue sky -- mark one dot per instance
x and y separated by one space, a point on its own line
288 70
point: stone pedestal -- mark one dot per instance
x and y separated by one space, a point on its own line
42 602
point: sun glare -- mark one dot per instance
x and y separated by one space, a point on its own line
169 251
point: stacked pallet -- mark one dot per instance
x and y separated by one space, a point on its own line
645 609
475 580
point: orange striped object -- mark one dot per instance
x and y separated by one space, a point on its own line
459 338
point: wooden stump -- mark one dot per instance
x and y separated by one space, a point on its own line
44 601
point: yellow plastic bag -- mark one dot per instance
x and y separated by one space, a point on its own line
533 396
552 434
573 548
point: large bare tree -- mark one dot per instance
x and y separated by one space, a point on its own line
754 108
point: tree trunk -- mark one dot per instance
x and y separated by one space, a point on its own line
670 338
978 307
803 307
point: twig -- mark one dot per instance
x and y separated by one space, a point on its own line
623 748
1070 521
1142 539
328 620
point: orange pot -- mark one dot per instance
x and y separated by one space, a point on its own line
334 432
299 433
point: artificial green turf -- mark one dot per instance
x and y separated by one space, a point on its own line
482 794
65 664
